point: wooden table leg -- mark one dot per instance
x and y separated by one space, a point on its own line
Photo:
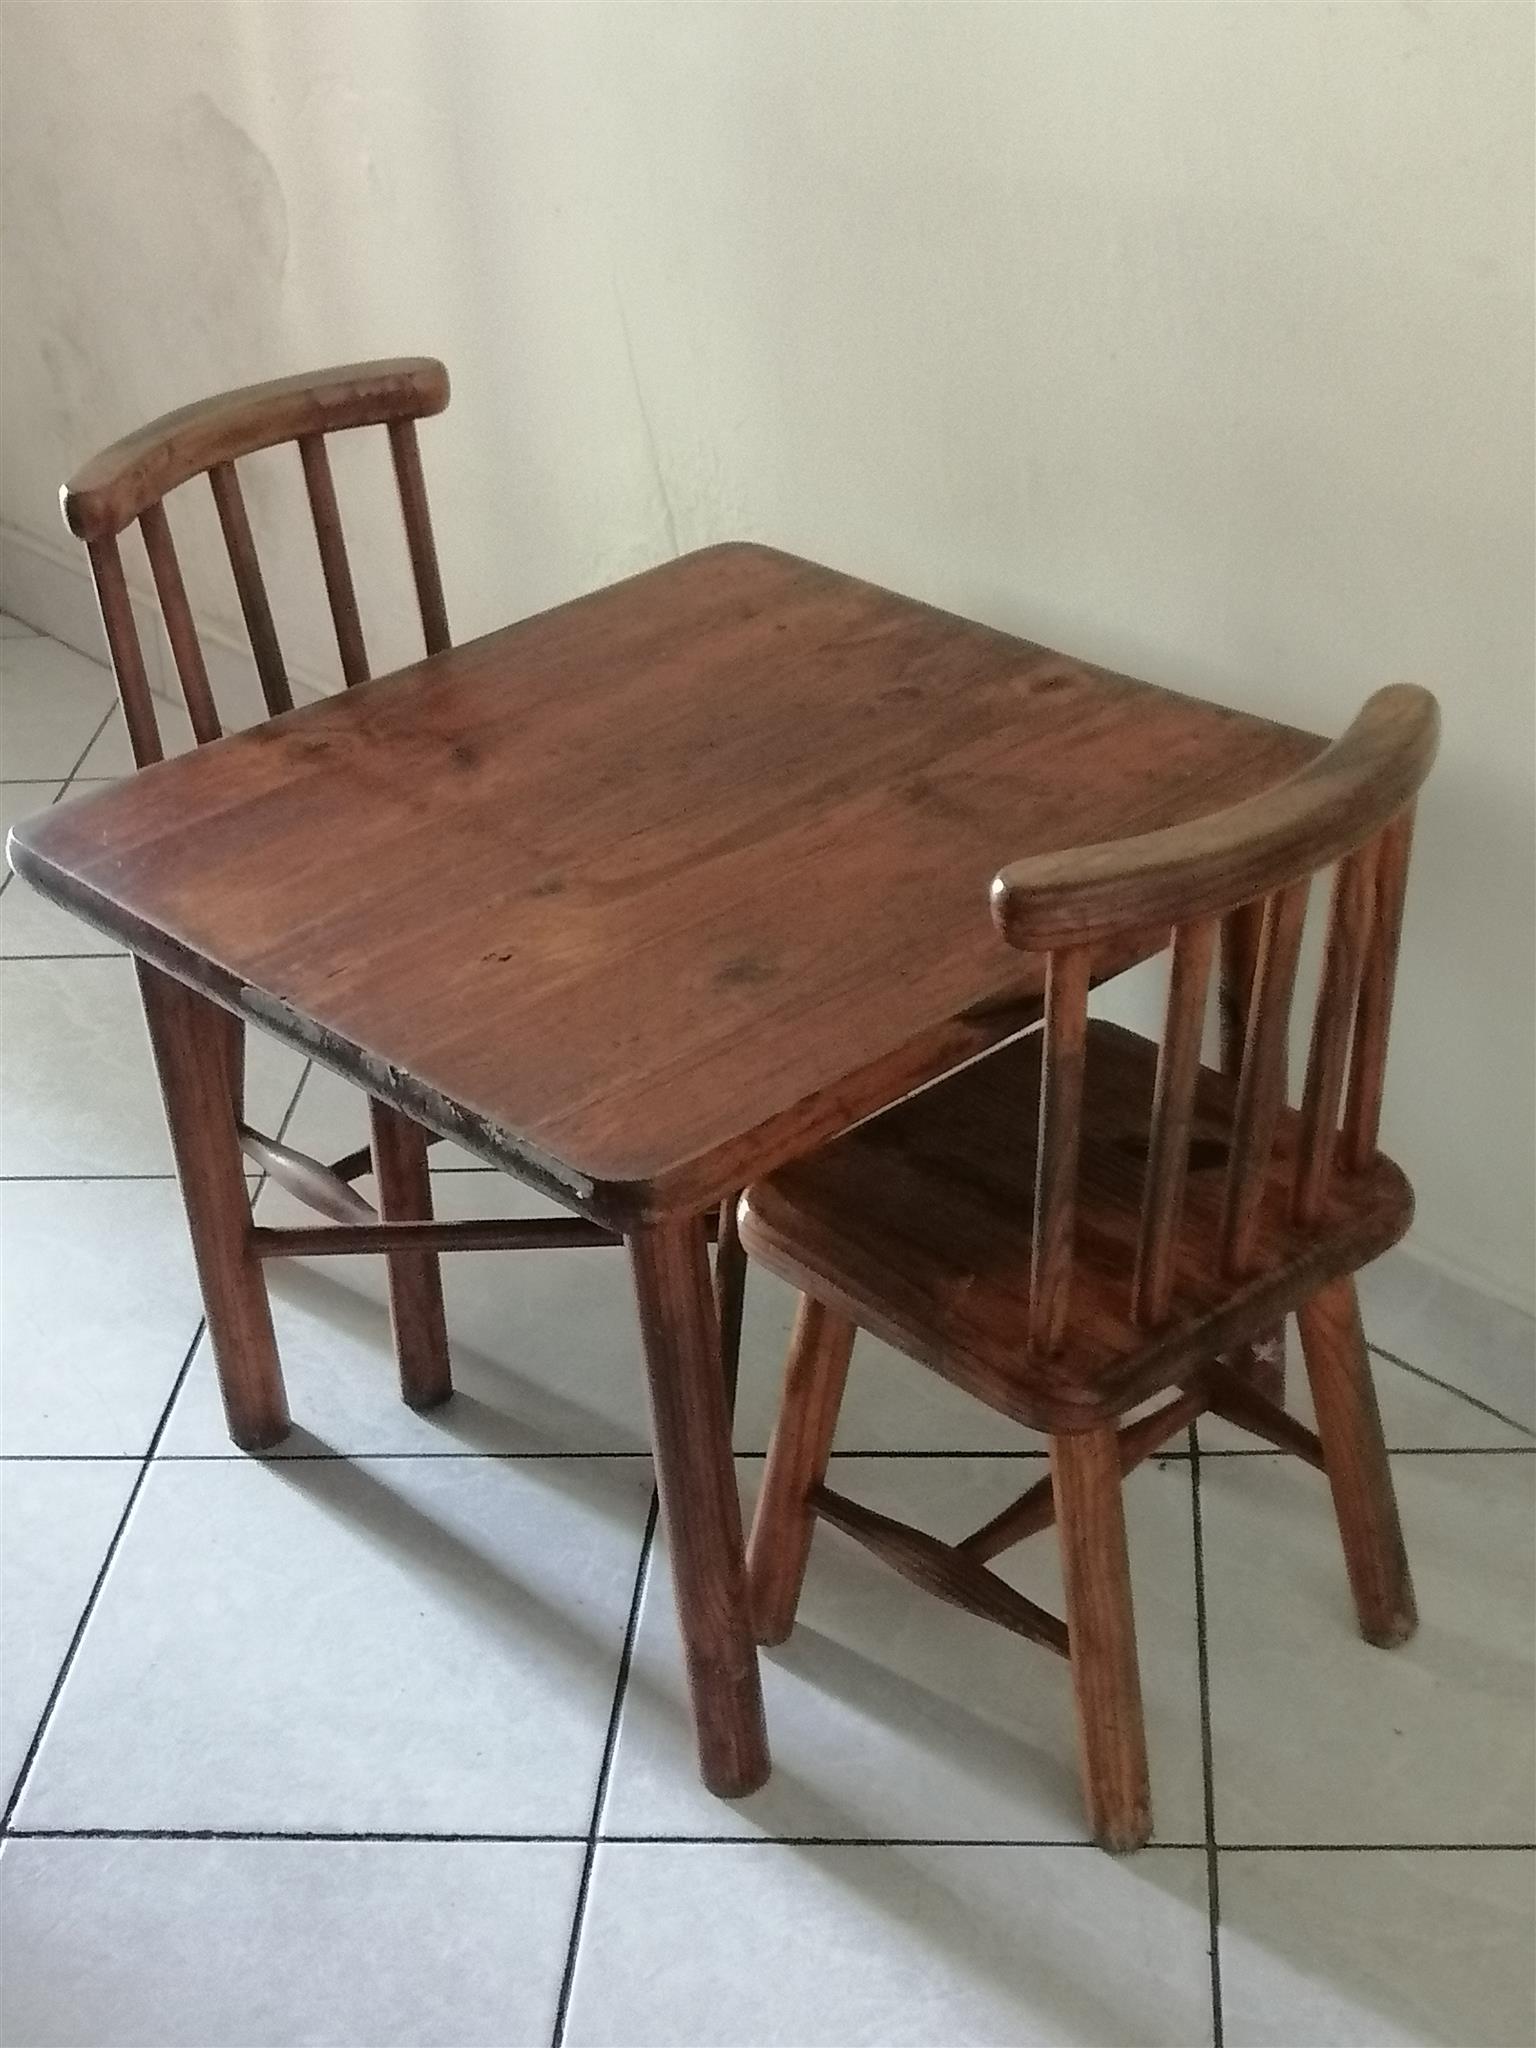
416 1315
192 1044
690 1426
730 1295
1261 1363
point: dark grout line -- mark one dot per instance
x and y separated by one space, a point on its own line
604 1773
115 1543
6 877
1472 1400
385 1835
1378 1848
448 1837
1403 1451
642 1450
94 1595
80 758
1207 1750
74 1179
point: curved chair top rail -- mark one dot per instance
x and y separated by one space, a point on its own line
1328 809
123 481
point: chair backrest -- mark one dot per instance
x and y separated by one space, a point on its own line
131 479
1351 810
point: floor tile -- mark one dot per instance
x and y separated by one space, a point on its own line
52 701
20 800
233 1944
15 629
56 1520
545 1346
408 1645
1469 1339
79 1089
100 1302
1416 1414
1431 1742
891 1404
766 1946
1377 1948
31 926
111 754
893 1714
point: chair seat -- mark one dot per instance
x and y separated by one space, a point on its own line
917 1224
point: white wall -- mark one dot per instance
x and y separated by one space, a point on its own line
1194 339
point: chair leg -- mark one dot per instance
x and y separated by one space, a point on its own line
730 1294
1101 1631
814 1378
1359 1472
415 1283
191 1045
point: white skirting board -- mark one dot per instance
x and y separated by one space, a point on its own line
47 585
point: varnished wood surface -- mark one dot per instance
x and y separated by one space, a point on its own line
1101 1629
653 891
191 1050
115 486
1359 1471
918 1224
814 1377
700 1511
1335 804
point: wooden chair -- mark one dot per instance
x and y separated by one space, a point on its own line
1087 1221
130 482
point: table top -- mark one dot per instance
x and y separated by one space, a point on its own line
644 895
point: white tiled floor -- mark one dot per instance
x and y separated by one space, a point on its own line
382 1740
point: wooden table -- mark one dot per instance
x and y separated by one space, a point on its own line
638 899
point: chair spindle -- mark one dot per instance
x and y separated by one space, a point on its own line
333 558
1178 1068
406 453
1349 930
1373 1016
1061 1095
1261 1085
249 587
179 628
123 646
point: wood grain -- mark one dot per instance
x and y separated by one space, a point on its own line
240 545
1330 808
126 654
1173 1105
334 566
1350 920
1359 1471
186 650
814 1377
415 1284
416 512
1101 1632
188 1042
762 799
918 1225
114 487
1367 1073
942 1569
695 1477
1060 1121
